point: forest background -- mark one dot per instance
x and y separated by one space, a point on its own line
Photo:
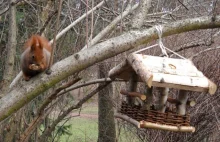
92 37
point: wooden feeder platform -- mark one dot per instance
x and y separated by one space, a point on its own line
166 73
163 72
153 119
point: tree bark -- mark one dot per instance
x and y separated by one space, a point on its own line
140 14
106 123
9 70
11 50
26 91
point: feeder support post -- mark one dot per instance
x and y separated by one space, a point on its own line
181 107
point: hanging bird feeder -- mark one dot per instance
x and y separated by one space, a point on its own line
160 72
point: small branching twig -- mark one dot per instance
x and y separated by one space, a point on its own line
47 22
40 115
54 95
51 128
203 51
48 71
102 80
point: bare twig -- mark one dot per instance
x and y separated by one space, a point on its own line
49 129
24 137
183 5
54 95
187 46
128 119
203 51
40 115
77 21
102 80
7 8
54 39
47 22
110 27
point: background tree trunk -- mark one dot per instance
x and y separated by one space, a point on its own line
11 49
106 123
140 14
12 123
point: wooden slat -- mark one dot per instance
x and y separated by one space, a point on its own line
144 124
164 72
201 84
170 66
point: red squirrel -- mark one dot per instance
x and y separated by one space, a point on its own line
36 56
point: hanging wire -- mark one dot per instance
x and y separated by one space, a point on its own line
146 48
160 43
162 47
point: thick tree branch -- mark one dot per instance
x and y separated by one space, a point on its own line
18 77
27 91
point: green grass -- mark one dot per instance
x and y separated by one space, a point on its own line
90 109
86 129
83 130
